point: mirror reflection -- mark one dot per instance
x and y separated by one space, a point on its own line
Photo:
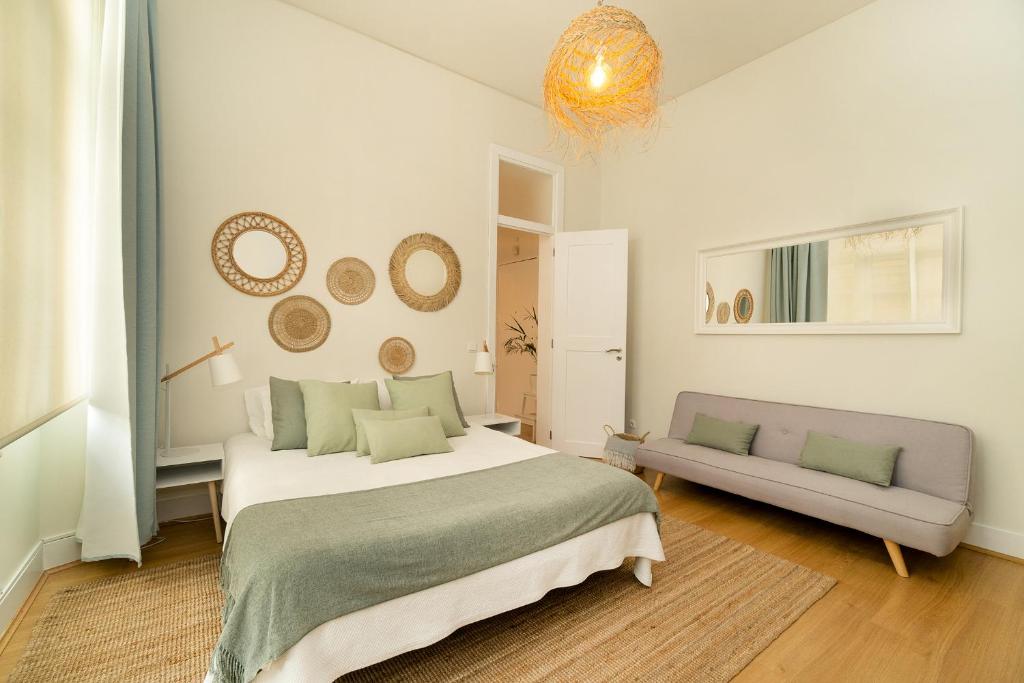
891 276
425 272
259 254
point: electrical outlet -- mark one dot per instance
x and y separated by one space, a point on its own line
471 347
632 424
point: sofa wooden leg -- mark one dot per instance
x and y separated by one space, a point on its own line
896 555
657 481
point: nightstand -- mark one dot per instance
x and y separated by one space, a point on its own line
497 422
193 465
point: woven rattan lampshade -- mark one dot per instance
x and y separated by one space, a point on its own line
603 74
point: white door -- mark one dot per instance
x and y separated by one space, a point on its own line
589 339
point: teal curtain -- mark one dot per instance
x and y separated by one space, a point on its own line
798 284
140 228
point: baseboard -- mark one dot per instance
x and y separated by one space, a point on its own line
182 502
997 540
61 549
17 592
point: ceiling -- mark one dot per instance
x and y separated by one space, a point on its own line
505 44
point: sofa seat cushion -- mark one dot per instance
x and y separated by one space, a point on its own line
908 517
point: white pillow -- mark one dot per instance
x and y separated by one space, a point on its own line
261 416
382 394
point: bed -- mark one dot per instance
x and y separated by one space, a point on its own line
254 475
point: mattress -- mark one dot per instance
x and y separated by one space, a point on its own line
254 474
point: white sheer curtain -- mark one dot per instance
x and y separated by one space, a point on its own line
62 312
108 525
46 146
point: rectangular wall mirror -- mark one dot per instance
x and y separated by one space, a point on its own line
898 276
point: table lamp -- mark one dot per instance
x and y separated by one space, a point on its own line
483 364
223 371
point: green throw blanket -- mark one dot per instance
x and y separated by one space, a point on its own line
291 565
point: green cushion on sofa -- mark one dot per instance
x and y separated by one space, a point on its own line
329 424
433 392
288 413
396 439
722 435
854 460
360 414
455 394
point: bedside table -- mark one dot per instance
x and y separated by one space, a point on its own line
193 465
497 422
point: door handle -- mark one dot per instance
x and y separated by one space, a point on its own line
613 350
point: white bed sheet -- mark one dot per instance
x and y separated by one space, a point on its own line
254 474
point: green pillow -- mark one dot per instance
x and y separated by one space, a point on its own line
288 413
455 394
361 414
851 459
433 392
395 439
733 437
329 424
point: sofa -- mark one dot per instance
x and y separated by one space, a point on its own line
928 506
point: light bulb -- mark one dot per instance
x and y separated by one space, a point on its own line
598 77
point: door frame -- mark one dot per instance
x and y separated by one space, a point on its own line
498 154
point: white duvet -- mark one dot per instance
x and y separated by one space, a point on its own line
255 474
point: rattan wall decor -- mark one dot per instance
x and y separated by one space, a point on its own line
396 355
709 310
405 292
743 306
222 251
350 280
299 323
723 312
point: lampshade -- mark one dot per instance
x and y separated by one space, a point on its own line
483 363
224 370
603 75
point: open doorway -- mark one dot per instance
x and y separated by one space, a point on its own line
516 348
525 213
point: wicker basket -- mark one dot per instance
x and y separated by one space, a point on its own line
620 449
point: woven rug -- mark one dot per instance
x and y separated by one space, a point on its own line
715 605
155 626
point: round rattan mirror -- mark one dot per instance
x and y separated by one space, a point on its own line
743 306
709 301
425 281
258 254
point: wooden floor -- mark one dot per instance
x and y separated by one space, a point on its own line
959 618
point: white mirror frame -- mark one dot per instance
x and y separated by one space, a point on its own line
952 222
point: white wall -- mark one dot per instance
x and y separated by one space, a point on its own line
265 107
41 484
902 107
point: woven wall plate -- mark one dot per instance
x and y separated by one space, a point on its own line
299 323
413 299
723 312
743 306
350 280
396 355
223 252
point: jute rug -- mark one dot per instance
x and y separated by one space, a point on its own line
715 605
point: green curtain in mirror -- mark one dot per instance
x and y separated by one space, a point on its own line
798 283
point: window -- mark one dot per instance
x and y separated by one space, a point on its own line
45 208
